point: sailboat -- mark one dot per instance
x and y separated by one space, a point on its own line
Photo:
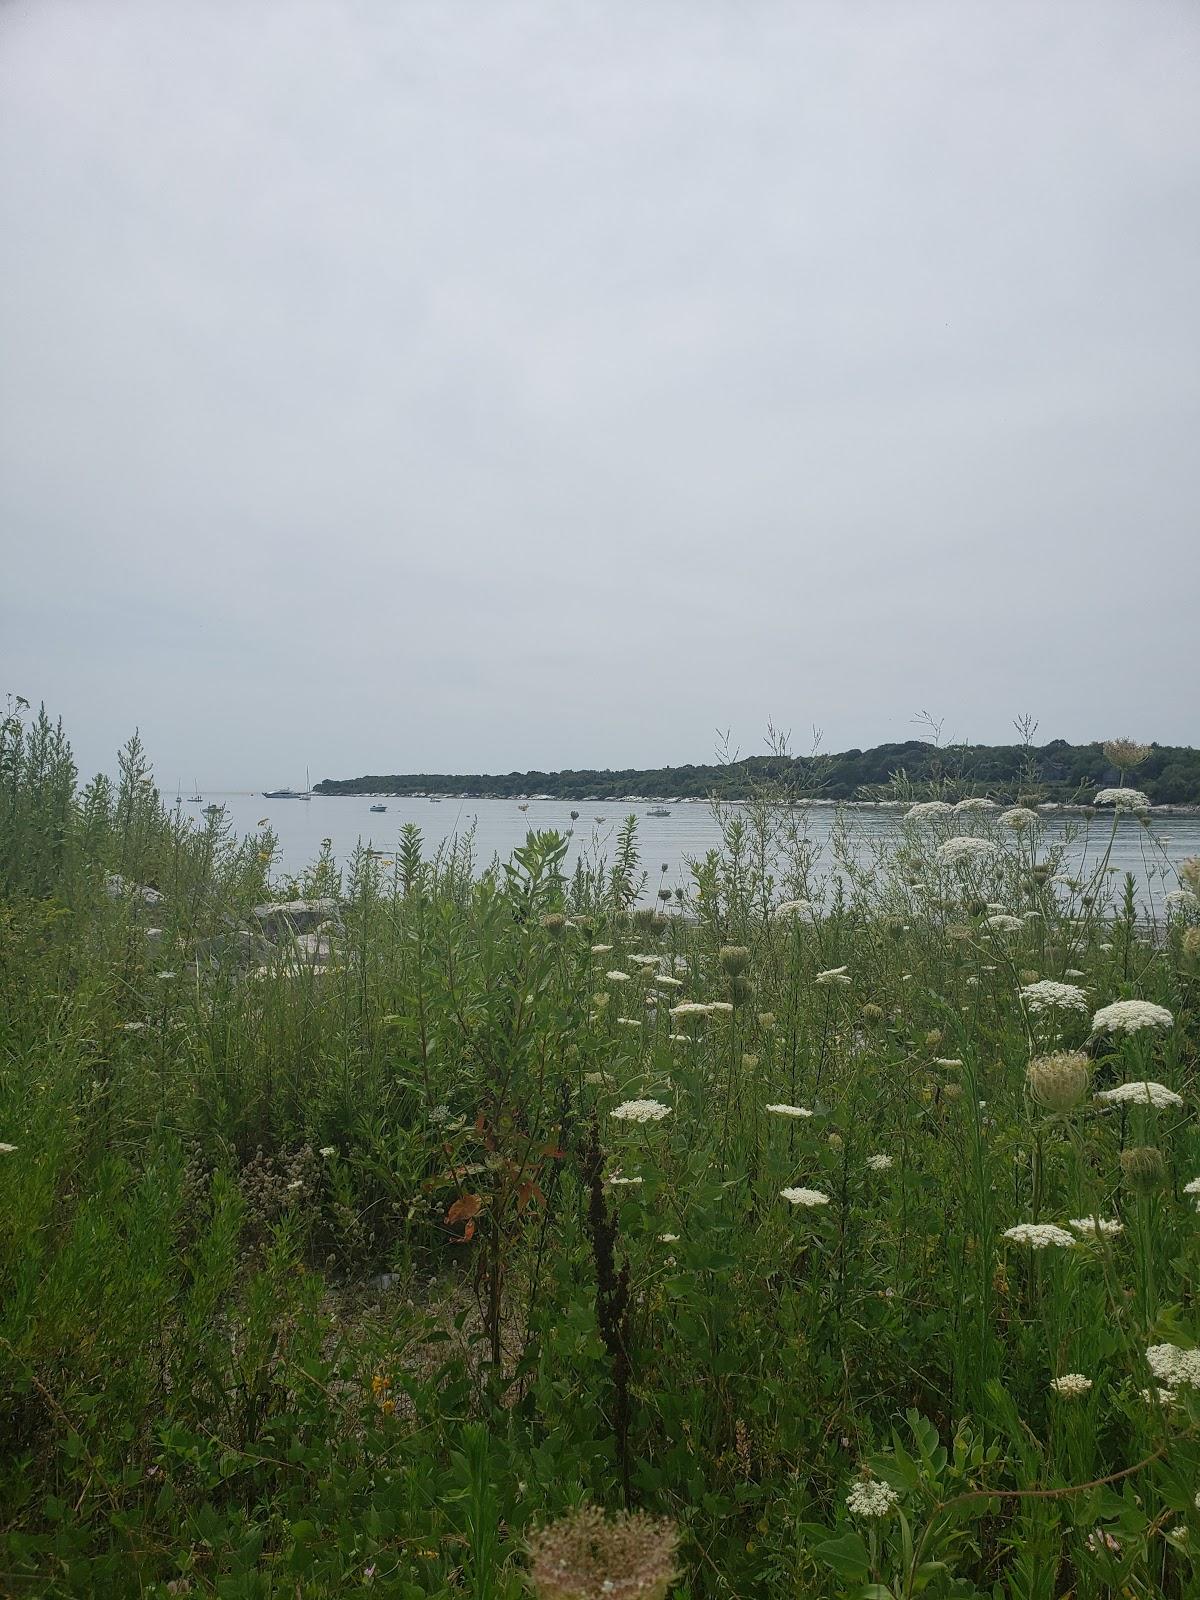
195 798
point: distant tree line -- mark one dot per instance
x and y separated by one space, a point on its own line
915 769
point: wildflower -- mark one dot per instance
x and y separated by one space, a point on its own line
1018 818
617 976
1047 995
835 975
132 1027
587 1556
805 1197
1129 1016
928 808
880 1163
662 981
1143 1166
1099 1540
790 1111
680 1038
629 1022
668 1238
1174 1366
794 908
554 923
964 848
8 1149
1039 1235
720 1008
1001 922
327 1150
1182 897
640 1111
749 1062
644 961
1141 1093
949 1063
871 1012
1125 753
1097 1227
616 1181
692 1008
1058 1082
871 1497
976 803
1123 799
735 959
1071 1384
1189 1188
766 1021
601 949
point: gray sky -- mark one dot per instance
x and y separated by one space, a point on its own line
391 385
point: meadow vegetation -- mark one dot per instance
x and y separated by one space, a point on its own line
814 1227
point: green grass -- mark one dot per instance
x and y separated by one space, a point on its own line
313 1283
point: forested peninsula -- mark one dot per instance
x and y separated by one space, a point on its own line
915 769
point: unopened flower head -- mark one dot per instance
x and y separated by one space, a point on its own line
1141 1093
640 1111
1047 995
588 1556
1143 1167
1058 1082
1040 1235
1123 799
1130 1016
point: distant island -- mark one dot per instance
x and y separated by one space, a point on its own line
1055 772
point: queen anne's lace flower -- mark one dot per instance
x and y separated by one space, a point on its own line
794 908
880 1163
1039 1235
1174 1366
8 1149
1047 995
640 1111
976 803
1071 1384
1142 1093
805 1197
1018 818
1001 922
1129 1016
790 1111
1097 1227
1123 799
928 808
964 847
616 976
835 975
871 1497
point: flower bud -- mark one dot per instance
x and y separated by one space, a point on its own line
735 959
1058 1082
1143 1167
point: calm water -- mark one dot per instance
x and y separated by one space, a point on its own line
690 830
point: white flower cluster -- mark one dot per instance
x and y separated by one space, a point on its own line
1039 1235
8 1149
1097 1227
1130 1016
835 975
871 1497
976 803
1047 995
1001 922
617 976
880 1163
640 1111
928 808
1142 1092
794 908
700 1008
805 1197
1018 818
964 848
1173 1366
1123 799
790 1111
1182 897
1071 1384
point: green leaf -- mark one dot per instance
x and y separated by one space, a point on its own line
848 1556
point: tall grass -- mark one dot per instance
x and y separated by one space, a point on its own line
326 1265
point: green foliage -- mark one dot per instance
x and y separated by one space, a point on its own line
298 1236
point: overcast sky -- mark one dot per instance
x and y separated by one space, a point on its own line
393 386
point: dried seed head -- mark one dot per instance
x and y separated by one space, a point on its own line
1125 753
587 1556
871 1012
741 990
1189 871
952 1093
1191 942
1058 1082
933 1038
735 959
554 923
1144 1167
